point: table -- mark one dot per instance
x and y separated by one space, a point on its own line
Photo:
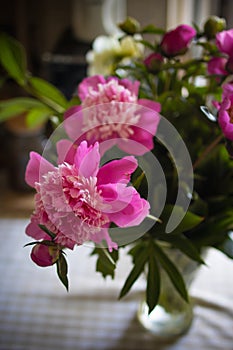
37 313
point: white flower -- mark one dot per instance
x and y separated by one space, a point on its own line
109 50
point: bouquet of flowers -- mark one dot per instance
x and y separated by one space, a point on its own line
141 155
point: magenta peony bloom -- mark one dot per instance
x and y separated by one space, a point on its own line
44 255
77 200
224 41
111 111
217 66
175 42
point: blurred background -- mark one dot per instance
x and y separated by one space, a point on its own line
56 35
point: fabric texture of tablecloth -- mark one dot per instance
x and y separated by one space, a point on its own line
37 313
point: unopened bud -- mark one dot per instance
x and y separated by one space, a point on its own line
213 26
130 26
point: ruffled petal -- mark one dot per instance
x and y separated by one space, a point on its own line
90 82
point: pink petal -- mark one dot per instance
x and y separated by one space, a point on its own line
140 143
155 106
133 214
132 86
87 159
90 82
33 230
116 197
73 125
66 151
104 235
117 171
36 167
72 110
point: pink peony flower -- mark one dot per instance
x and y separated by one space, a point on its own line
217 66
111 111
44 255
176 41
77 200
224 41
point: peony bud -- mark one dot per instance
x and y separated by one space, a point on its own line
213 26
45 255
130 26
154 62
176 41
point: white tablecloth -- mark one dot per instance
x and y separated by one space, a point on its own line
37 313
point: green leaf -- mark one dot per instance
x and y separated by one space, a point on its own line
226 246
62 270
15 106
139 263
75 101
37 117
186 246
49 94
173 273
153 282
13 58
189 221
137 182
106 262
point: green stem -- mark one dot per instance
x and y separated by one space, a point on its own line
207 151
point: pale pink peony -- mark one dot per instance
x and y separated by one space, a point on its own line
111 111
77 200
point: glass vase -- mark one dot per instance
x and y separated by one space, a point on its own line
172 316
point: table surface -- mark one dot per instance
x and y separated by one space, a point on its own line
37 313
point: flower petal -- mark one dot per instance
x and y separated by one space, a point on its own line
87 159
66 151
73 124
36 167
133 213
33 230
118 170
90 82
104 235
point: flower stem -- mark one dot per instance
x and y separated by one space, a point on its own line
207 151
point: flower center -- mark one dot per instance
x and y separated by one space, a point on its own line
114 113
